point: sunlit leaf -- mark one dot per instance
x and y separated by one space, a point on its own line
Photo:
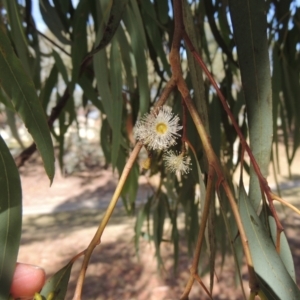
272 275
10 218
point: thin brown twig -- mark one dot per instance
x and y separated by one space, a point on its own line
97 237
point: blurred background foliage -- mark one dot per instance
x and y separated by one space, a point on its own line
97 66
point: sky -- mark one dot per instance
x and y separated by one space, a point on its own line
41 26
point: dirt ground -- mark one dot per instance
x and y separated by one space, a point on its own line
60 221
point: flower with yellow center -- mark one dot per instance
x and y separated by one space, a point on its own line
177 162
158 131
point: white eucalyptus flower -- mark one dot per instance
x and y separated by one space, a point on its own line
177 162
158 131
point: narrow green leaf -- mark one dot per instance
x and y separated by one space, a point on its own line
5 100
200 179
205 34
90 92
175 239
226 226
58 283
36 59
64 10
220 32
48 87
102 78
79 43
126 53
138 43
138 21
117 101
19 87
10 218
114 19
287 92
11 121
130 188
276 89
52 20
159 215
105 140
163 10
250 32
215 122
285 251
60 66
66 118
195 69
151 25
291 88
285 131
273 277
141 217
17 32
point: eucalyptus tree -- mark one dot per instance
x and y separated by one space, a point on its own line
195 85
